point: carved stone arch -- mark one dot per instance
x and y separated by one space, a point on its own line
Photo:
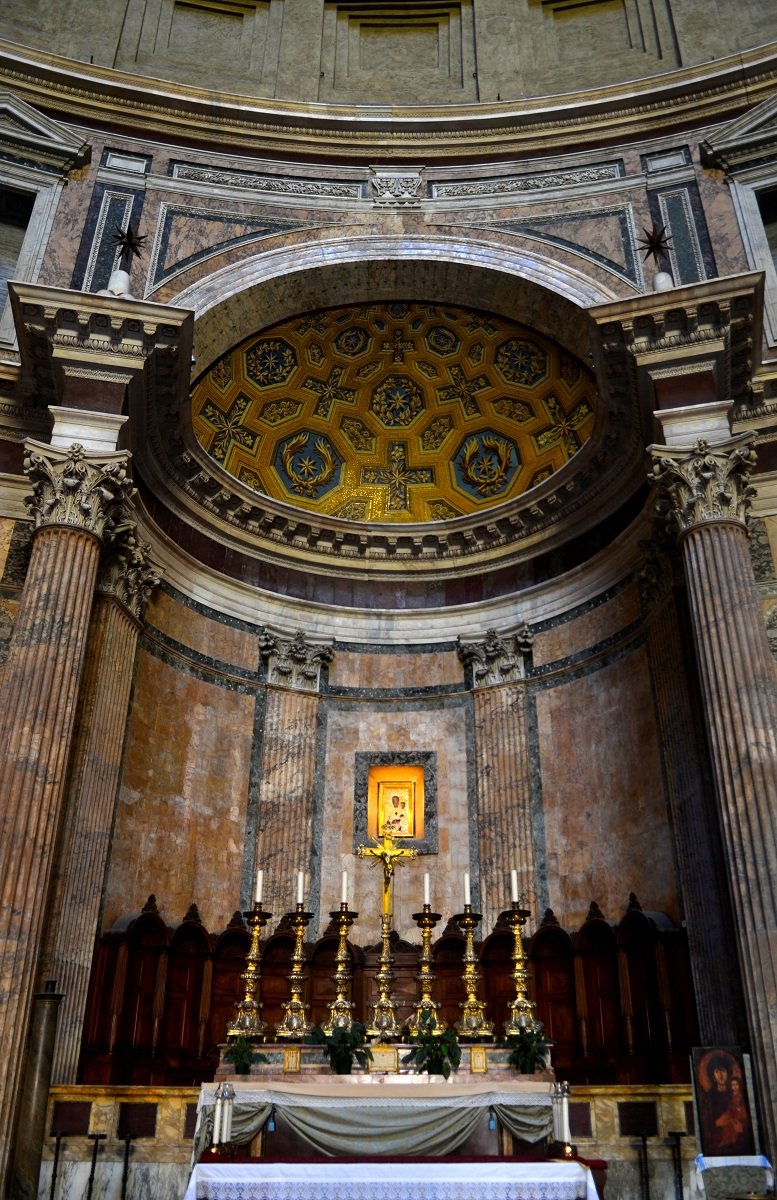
550 289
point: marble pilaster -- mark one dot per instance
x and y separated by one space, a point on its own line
502 770
125 581
76 503
31 1128
706 490
285 824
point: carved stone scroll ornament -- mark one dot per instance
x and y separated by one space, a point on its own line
294 663
497 659
128 573
71 487
706 483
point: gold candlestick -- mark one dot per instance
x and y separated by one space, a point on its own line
295 1023
247 1022
522 1016
340 1010
473 1024
384 1023
426 922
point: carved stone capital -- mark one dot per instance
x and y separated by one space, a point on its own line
128 573
497 659
705 483
295 664
71 487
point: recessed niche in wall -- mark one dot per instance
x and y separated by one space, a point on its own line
411 777
422 50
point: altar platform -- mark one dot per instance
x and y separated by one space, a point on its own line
410 1179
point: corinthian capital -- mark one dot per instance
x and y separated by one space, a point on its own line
128 573
705 483
295 663
71 487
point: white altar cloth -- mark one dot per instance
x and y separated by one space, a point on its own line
447 1179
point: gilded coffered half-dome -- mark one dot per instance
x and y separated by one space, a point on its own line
394 412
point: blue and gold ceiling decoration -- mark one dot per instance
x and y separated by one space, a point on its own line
394 412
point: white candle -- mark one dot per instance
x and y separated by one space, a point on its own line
259 886
226 1121
300 886
467 897
514 886
217 1122
344 888
427 899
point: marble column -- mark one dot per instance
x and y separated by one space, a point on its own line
706 491
124 585
504 815
31 1124
77 498
287 789
700 861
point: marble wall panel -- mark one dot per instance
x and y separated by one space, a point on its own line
393 727
180 825
419 669
586 629
606 823
6 532
217 639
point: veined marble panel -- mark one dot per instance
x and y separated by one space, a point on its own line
145 1181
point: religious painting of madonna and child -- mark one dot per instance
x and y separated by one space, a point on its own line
725 1124
396 801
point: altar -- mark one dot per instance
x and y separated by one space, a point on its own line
499 1179
382 1115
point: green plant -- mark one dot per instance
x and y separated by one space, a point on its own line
343 1046
433 1050
242 1054
528 1050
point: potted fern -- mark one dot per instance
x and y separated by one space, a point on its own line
529 1049
433 1050
343 1046
240 1052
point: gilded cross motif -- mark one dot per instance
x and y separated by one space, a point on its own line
399 347
397 477
229 428
564 428
464 391
329 391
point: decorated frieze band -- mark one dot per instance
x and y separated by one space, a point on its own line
295 663
705 483
72 487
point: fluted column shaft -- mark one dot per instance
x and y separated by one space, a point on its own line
77 883
700 861
284 828
40 688
504 798
708 493
76 501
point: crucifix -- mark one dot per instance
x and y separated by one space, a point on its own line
384 1023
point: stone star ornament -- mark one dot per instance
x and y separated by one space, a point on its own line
656 244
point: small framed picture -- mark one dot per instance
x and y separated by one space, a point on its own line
478 1060
385 1060
292 1060
722 1101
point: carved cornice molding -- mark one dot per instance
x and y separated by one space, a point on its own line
128 573
73 488
705 483
92 95
497 659
295 663
62 332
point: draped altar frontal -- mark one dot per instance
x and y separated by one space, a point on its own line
355 1116
500 1179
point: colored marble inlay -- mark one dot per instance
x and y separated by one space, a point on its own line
401 411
